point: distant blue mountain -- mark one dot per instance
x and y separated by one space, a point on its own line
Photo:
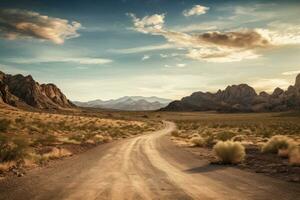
131 103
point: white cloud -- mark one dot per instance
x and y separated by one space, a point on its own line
148 24
170 55
19 24
143 49
145 57
196 10
211 46
179 65
82 60
291 73
195 27
227 46
281 33
221 55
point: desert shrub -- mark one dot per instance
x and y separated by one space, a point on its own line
57 153
12 149
225 135
175 133
238 138
107 139
229 152
276 143
47 140
209 141
5 166
20 121
4 125
78 137
98 138
66 140
266 133
197 141
34 128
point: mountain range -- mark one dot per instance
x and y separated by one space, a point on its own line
24 91
129 103
240 98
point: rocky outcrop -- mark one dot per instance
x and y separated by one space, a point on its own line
19 90
240 98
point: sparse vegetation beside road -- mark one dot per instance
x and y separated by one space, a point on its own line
270 141
34 138
230 152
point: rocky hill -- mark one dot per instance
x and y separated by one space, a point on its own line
131 103
23 91
240 98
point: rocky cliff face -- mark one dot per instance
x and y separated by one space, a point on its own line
240 98
19 90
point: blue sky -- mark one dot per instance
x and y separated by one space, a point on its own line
166 48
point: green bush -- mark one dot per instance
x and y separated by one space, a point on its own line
230 152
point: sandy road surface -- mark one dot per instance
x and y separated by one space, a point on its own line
145 167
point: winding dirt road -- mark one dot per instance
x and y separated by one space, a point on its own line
144 167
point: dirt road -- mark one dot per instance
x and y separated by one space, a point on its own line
145 167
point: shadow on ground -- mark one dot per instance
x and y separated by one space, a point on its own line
205 168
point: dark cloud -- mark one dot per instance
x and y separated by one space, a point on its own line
16 24
243 39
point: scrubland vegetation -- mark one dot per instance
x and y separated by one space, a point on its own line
32 138
255 141
230 152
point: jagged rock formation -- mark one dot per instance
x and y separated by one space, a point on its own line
22 91
240 98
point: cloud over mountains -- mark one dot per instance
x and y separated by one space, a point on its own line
20 24
219 46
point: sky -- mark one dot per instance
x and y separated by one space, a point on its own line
167 48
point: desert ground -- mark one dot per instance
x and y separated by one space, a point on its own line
92 154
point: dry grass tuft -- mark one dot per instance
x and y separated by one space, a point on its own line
10 150
57 153
225 135
230 152
278 142
4 125
197 141
5 166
